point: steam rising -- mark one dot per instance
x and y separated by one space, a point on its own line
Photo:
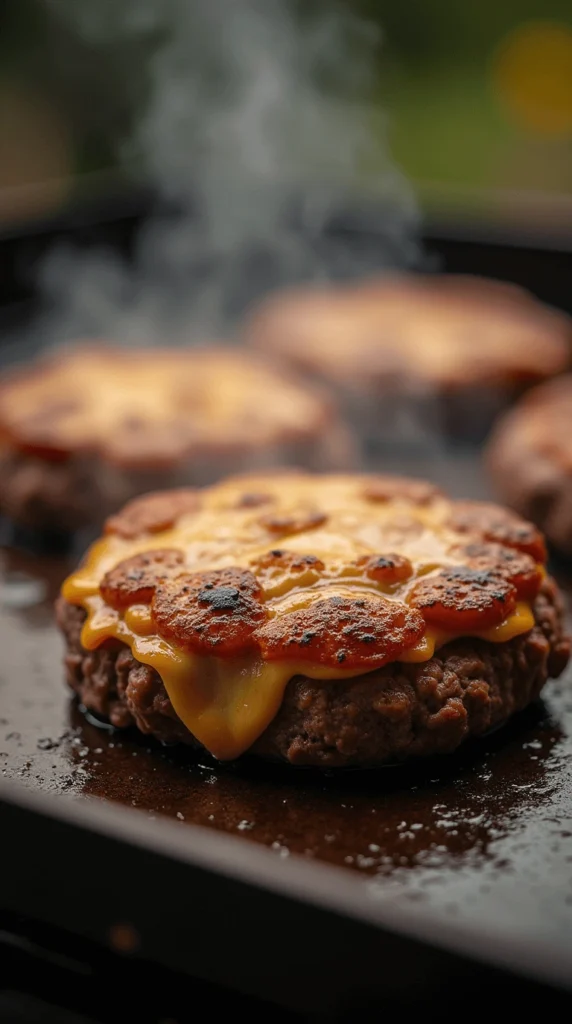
255 130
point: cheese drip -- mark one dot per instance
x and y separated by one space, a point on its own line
227 703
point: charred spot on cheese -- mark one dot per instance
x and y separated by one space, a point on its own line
390 488
209 613
459 598
514 565
134 580
152 513
363 633
386 568
296 522
491 522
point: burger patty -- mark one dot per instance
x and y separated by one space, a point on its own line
529 459
65 496
86 429
394 712
47 495
380 335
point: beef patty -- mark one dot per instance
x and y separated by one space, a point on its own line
85 429
322 620
442 348
389 714
529 457
448 331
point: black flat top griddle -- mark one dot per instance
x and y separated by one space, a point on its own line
440 885
474 850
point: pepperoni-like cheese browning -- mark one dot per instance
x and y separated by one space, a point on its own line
209 613
516 566
135 579
152 513
278 561
281 571
358 633
232 591
287 524
386 568
390 488
460 598
254 499
481 519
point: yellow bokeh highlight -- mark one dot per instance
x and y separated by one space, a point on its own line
532 73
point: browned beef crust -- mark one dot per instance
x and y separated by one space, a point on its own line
397 711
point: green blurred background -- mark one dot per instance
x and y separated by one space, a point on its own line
476 100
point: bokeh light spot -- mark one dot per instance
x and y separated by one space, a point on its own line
532 75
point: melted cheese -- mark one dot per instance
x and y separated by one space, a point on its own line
227 703
521 621
176 400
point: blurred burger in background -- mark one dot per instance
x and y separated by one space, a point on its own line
481 123
91 426
458 347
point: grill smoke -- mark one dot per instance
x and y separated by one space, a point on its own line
255 134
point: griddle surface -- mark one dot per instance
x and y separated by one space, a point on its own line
484 836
